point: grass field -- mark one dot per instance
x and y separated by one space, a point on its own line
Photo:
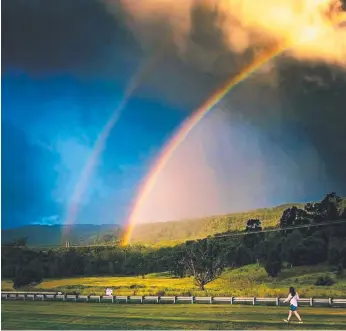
73 316
250 280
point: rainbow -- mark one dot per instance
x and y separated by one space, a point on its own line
183 132
91 164
101 140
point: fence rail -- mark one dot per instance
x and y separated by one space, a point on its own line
53 296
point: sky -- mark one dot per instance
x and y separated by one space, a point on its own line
277 137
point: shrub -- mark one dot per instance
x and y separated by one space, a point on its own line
324 281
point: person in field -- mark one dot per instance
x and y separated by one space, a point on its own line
293 298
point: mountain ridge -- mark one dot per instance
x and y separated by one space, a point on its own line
158 233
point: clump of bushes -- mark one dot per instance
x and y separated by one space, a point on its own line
324 280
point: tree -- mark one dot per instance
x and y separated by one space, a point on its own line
243 256
253 225
204 260
310 251
135 264
28 274
289 244
294 216
253 236
329 209
177 266
273 264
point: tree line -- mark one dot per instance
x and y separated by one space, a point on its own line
307 236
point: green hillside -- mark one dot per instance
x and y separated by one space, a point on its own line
161 233
179 231
152 233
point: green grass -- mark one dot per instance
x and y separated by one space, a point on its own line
77 316
250 280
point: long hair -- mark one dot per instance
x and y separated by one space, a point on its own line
292 291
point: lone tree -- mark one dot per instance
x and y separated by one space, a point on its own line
253 225
204 260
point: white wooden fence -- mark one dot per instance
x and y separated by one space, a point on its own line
53 296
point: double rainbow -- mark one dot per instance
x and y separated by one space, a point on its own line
183 132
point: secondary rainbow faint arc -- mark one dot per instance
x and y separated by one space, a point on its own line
185 129
101 140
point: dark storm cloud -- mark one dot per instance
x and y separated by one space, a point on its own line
291 97
79 36
313 98
86 36
27 174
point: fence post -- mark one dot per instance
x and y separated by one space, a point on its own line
142 299
127 299
192 299
231 300
311 302
277 301
211 300
175 299
254 300
330 302
158 299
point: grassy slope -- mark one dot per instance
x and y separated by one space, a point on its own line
246 281
170 233
178 231
58 315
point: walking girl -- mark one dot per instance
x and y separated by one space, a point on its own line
293 298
